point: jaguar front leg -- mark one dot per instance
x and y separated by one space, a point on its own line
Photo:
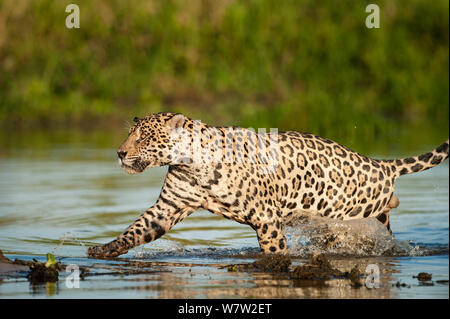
157 220
271 237
150 226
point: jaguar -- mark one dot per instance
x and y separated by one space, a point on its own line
264 180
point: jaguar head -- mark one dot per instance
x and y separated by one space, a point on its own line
151 142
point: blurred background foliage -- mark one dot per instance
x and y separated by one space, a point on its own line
305 65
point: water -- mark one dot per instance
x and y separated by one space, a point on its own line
64 197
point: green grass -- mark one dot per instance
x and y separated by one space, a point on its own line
305 65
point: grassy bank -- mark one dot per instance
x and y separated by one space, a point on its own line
304 65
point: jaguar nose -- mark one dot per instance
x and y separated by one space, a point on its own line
121 154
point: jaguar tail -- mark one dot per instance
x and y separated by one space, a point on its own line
420 163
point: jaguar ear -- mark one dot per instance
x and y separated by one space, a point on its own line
176 121
136 119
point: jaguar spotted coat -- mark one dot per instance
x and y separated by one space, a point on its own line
299 173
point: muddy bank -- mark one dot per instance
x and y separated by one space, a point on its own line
42 272
39 273
423 276
264 276
34 271
320 271
317 270
8 268
265 263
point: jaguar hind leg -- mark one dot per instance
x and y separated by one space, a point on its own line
384 216
384 219
271 237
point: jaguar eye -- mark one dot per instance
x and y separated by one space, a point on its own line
142 136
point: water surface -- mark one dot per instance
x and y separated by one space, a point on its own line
64 197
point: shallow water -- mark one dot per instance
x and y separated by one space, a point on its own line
65 197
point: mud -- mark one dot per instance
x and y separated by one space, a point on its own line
278 276
355 277
3 259
423 276
40 274
265 263
399 284
35 271
319 268
314 273
9 269
424 279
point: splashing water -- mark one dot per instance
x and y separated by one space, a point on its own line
358 237
161 246
73 236
307 236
